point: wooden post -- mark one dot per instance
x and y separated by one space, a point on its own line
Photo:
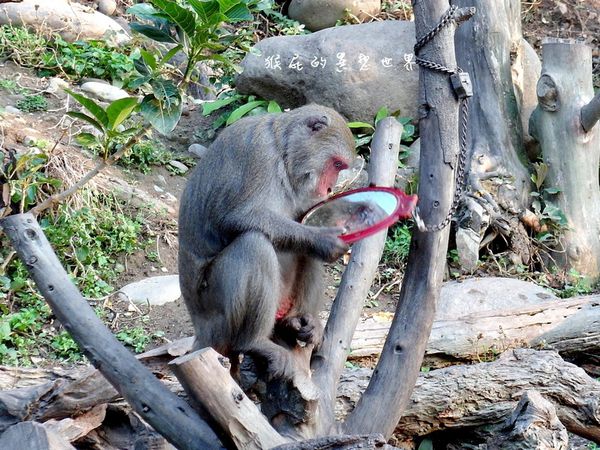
167 413
328 363
389 390
566 109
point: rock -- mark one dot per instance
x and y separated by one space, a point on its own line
158 189
319 14
103 91
352 69
107 7
12 110
467 245
182 168
162 181
56 85
29 141
154 291
477 295
70 19
198 150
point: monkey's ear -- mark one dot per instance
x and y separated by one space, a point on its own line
317 123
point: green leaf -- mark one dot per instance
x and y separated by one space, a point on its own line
240 112
86 140
204 8
119 110
152 32
91 106
238 13
408 132
552 190
360 125
170 54
143 11
86 118
382 114
183 17
149 58
426 444
273 107
163 117
4 330
210 107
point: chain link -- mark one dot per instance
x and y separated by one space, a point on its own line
461 169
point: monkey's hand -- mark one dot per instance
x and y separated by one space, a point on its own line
304 329
327 244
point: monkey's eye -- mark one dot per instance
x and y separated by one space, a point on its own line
338 165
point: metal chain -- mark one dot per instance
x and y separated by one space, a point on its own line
461 169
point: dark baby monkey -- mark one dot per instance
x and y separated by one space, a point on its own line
250 273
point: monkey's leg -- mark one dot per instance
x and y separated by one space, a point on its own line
302 323
243 286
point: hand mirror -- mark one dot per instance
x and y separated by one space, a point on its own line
362 212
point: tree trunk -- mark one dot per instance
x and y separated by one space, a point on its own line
498 183
388 393
566 109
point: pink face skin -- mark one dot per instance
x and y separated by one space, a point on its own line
329 176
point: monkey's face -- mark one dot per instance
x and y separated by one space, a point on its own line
329 175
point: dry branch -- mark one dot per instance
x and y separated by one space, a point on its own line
206 378
167 413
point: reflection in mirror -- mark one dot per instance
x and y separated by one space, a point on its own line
354 212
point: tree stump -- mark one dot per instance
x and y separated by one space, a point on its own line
498 182
566 109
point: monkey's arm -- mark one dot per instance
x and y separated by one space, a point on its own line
286 234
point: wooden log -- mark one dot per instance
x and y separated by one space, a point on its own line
374 442
205 376
571 326
32 436
482 394
533 425
571 153
388 393
75 428
328 363
167 413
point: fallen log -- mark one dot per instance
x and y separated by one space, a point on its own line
482 394
571 326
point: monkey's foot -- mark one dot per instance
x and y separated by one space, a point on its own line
303 329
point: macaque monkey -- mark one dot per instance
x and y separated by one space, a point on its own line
250 273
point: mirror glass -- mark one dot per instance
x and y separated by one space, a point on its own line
354 212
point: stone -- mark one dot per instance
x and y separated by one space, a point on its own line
107 7
29 141
182 168
161 180
70 19
319 14
352 69
198 150
104 91
153 291
467 246
56 85
478 295
12 110
158 189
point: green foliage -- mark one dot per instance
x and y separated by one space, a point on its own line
22 46
94 59
107 121
23 179
363 131
575 284
33 103
245 105
136 337
146 154
552 219
65 347
397 245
